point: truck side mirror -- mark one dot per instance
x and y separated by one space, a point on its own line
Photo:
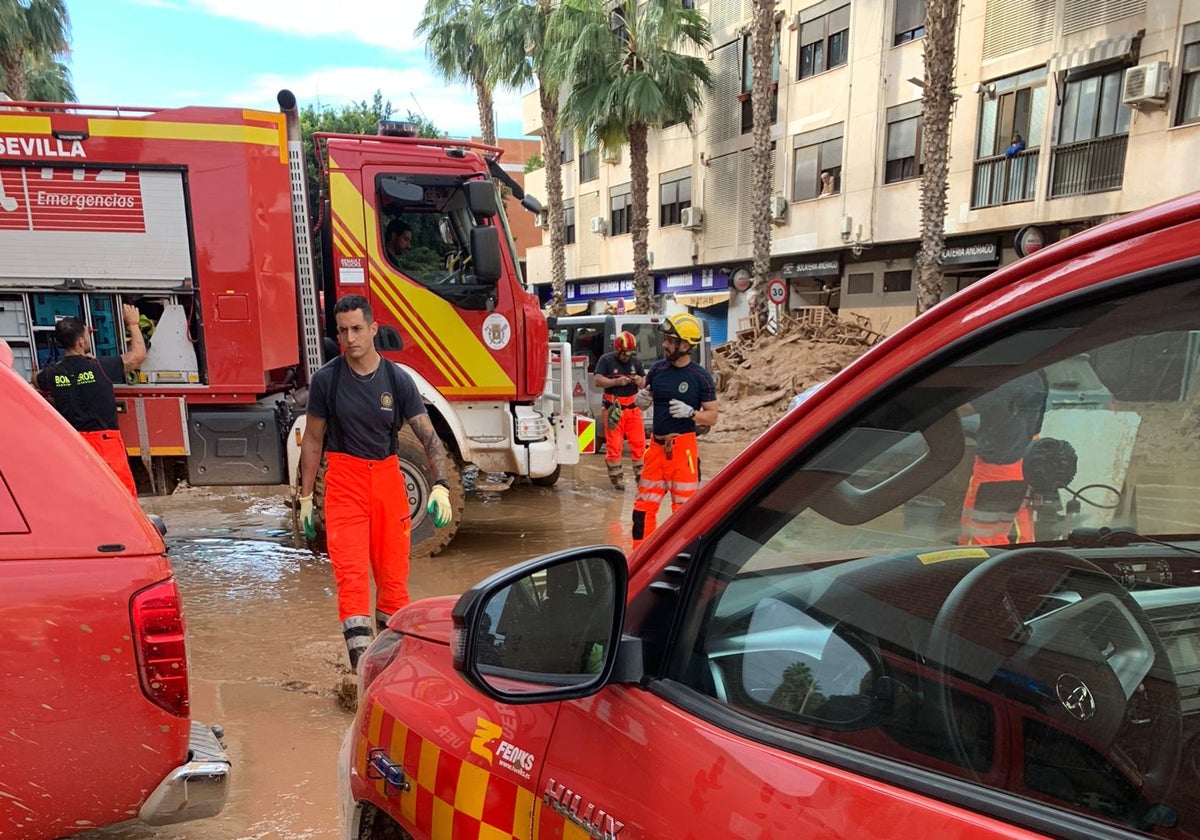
485 254
481 199
531 204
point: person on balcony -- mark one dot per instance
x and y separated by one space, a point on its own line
1015 147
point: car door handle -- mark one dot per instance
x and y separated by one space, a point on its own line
379 766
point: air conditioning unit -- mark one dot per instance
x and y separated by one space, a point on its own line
692 218
779 207
541 220
611 155
1146 84
599 225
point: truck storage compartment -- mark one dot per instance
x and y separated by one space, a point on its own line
235 446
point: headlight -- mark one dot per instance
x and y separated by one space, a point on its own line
532 428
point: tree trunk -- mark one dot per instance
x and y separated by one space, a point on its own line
552 155
941 22
762 50
639 187
14 76
487 110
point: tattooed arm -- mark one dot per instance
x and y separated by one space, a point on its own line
434 450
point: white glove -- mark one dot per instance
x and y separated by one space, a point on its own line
681 410
644 398
439 506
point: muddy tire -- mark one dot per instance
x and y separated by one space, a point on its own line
427 539
376 825
548 480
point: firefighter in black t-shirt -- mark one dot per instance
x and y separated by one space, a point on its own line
356 405
621 374
81 387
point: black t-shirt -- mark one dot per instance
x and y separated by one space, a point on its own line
612 367
365 408
81 388
691 384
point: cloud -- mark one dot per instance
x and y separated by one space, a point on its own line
377 22
451 109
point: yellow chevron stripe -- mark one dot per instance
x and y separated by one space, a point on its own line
388 294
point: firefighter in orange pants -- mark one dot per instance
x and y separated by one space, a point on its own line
81 388
620 374
684 396
997 507
357 403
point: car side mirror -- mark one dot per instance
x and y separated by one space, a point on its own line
485 254
481 199
158 523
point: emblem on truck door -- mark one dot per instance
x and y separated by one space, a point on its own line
496 331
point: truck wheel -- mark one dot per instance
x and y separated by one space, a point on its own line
427 539
548 480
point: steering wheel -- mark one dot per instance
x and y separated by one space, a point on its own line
1064 640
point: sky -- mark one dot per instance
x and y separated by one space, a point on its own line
242 52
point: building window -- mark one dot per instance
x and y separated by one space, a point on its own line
674 194
817 163
620 203
897 281
748 83
909 21
905 159
860 284
824 41
1011 118
1189 88
569 223
1093 132
567 146
589 161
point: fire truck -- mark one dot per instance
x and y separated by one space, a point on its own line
201 218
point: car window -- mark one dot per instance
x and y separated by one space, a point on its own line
968 580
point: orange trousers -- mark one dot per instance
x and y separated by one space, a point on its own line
994 526
367 529
673 466
631 427
111 448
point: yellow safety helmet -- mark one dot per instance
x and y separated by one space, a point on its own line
683 326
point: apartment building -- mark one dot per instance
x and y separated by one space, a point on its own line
1104 95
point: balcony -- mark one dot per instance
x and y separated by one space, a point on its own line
1088 166
1004 180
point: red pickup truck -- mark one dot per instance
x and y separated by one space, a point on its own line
880 620
95 724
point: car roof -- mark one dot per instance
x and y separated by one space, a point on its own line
58 499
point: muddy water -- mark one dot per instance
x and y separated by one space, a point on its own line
265 648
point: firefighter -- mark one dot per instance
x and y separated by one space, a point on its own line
621 374
684 396
997 508
81 387
397 241
357 403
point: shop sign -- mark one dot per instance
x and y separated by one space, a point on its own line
696 280
970 253
816 265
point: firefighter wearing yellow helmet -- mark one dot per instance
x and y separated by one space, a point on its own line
620 373
683 395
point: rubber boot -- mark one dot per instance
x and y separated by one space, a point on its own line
614 474
637 472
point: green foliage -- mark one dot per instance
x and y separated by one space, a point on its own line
535 162
34 46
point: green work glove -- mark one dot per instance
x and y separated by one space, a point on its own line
614 415
307 520
439 506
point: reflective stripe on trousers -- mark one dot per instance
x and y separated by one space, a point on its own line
110 447
367 529
677 474
994 527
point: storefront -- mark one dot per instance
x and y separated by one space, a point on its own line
813 279
704 292
966 260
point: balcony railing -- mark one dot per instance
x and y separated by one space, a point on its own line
1088 166
1004 180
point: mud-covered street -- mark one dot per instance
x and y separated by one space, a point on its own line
265 648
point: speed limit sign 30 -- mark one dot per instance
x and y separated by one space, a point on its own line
777 292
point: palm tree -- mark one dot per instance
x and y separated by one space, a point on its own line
762 51
519 49
627 77
452 31
941 21
34 38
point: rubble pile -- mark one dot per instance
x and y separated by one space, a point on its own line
759 371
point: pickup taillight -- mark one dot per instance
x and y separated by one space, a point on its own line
161 646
